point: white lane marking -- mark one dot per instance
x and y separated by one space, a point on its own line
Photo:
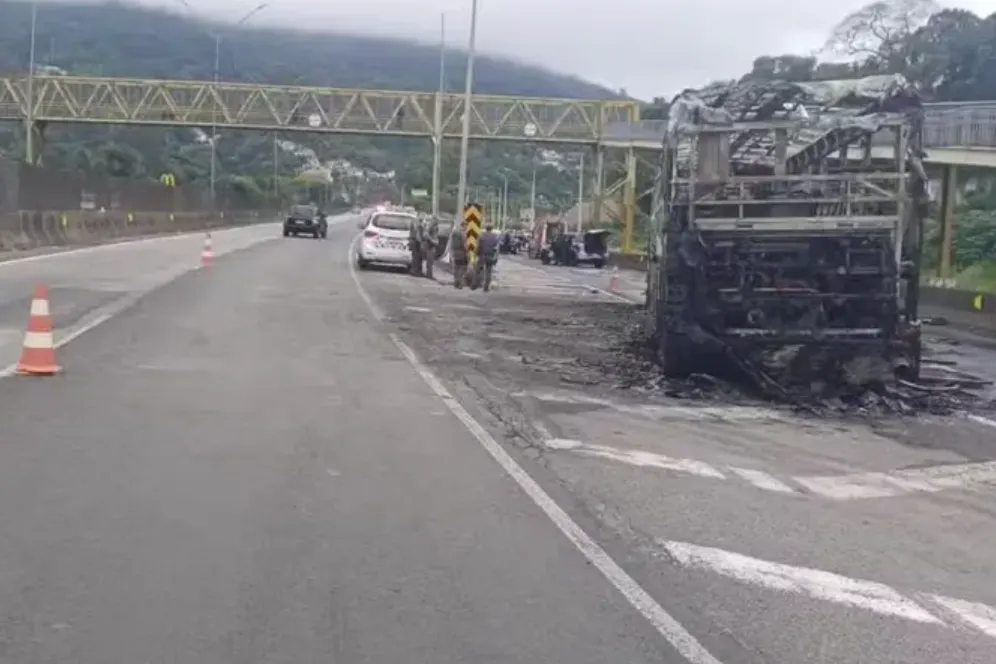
651 460
880 485
818 584
982 420
662 412
980 616
762 480
669 628
857 486
562 444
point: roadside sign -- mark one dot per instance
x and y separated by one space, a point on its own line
314 120
168 180
472 214
420 193
978 303
529 130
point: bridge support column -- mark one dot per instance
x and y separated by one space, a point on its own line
598 187
949 194
629 202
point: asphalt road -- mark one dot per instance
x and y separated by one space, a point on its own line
865 539
282 459
242 466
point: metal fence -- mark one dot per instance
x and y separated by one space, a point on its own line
26 187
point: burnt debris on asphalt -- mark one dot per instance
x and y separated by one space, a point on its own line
605 345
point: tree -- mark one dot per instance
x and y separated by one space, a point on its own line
783 67
881 31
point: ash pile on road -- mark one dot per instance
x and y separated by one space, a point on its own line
941 390
625 360
605 346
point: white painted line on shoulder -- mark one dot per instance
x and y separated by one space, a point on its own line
915 480
762 480
980 616
651 460
666 412
978 419
669 628
818 584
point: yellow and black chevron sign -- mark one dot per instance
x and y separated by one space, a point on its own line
472 214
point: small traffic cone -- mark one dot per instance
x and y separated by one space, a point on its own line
207 254
614 280
38 355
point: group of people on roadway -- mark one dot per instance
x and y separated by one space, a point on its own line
424 243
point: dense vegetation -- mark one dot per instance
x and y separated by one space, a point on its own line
121 40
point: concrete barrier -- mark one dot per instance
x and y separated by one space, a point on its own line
34 229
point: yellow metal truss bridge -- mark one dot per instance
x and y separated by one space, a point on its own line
42 100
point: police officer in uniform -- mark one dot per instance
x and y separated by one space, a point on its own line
415 246
458 254
430 243
487 251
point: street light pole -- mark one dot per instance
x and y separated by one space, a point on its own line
504 203
214 118
532 198
276 169
437 139
29 139
467 102
581 195
217 77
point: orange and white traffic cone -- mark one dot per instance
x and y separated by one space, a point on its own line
614 280
38 355
207 254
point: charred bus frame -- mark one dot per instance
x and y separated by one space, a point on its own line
782 239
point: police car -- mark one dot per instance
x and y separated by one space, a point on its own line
385 239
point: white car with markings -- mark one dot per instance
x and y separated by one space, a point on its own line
385 239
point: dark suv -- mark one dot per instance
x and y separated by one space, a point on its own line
307 220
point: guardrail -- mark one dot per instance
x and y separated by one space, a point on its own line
34 229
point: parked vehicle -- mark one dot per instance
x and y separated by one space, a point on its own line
385 239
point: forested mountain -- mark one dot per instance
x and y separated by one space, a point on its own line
115 39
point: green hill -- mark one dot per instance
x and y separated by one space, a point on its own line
121 40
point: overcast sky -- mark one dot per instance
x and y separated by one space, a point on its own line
649 47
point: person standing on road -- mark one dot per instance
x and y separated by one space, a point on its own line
458 254
415 246
430 243
488 254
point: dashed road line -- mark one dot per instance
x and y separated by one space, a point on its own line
899 482
831 587
856 486
762 480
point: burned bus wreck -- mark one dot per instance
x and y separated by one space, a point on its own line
788 225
